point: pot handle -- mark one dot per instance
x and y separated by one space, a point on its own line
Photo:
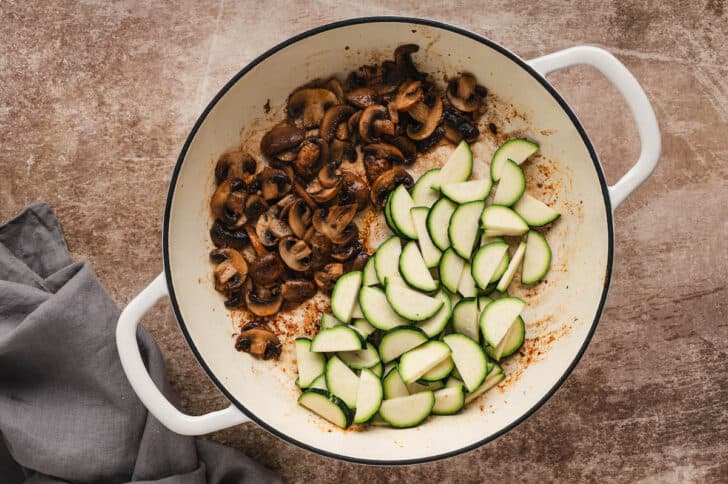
141 382
636 99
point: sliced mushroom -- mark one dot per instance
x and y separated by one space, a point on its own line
311 103
236 165
235 300
263 301
375 167
358 262
362 97
266 271
280 139
379 158
230 271
345 252
334 85
329 175
255 205
374 123
331 221
260 342
271 229
283 205
387 182
295 253
297 290
274 183
459 126
320 249
321 194
427 127
353 123
255 241
463 94
431 141
228 202
403 60
326 278
234 238
299 217
353 190
408 95
345 236
407 147
341 151
335 117
313 153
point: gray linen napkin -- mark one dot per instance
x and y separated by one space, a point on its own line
67 412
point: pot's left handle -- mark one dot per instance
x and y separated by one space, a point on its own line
141 382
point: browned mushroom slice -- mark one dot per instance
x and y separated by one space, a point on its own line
353 123
237 165
463 94
379 158
230 271
321 194
341 151
374 123
335 117
320 249
299 217
431 141
329 175
346 251
313 153
427 127
407 95
297 290
222 236
362 97
255 205
353 190
387 182
375 167
334 85
358 262
271 229
331 221
263 301
345 236
326 278
403 60
266 270
260 342
407 147
295 253
311 103
255 241
459 126
235 300
274 183
228 203
280 139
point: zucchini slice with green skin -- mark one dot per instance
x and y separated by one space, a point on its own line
439 372
414 270
488 259
537 260
423 195
360 359
498 220
449 400
469 358
344 295
463 228
386 259
458 167
438 222
435 324
451 268
399 341
512 185
411 304
328 321
388 217
363 327
495 376
517 149
498 317
376 309
535 212
483 301
430 253
319 382
399 208
338 338
500 270
311 365
507 277
417 362
369 396
468 191
466 285
409 411
511 343
369 275
465 318
326 405
424 386
378 369
356 313
393 385
342 381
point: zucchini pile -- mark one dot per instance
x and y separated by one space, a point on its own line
422 329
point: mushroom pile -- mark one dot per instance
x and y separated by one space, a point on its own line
285 229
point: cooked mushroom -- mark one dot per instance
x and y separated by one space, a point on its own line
374 123
274 183
407 95
387 182
362 97
329 175
331 221
230 271
358 262
431 141
340 151
280 139
271 229
353 190
313 153
379 158
346 251
335 117
266 271
463 94
321 194
235 300
345 236
403 60
407 147
311 103
353 123
375 167
459 126
334 85
427 126
263 301
255 241
237 165
255 206
299 217
297 290
295 253
320 249
222 236
326 278
228 202
260 342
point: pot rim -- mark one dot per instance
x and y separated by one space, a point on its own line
384 19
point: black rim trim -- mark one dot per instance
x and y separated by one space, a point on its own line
408 20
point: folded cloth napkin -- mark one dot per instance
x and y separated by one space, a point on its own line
67 412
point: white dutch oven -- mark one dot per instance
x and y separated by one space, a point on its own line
568 306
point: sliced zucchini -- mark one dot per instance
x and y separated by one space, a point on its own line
388 217
319 382
495 376
359 359
398 341
327 406
424 386
436 323
487 262
483 301
363 327
343 298
399 206
342 381
311 365
439 371
386 259
417 362
438 221
369 396
449 400
465 318
411 304
499 271
338 338
430 253
537 259
378 369
466 285
498 317
393 385
511 343
369 276
469 358
409 411
498 220
463 228
422 193
507 277
457 168
518 150
356 313
328 321
511 186
451 268
414 270
376 309
534 212
468 191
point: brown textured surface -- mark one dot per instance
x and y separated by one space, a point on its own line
96 99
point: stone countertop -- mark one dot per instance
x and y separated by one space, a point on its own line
96 99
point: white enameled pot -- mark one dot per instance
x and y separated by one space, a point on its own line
562 315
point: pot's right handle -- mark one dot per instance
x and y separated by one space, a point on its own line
637 101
